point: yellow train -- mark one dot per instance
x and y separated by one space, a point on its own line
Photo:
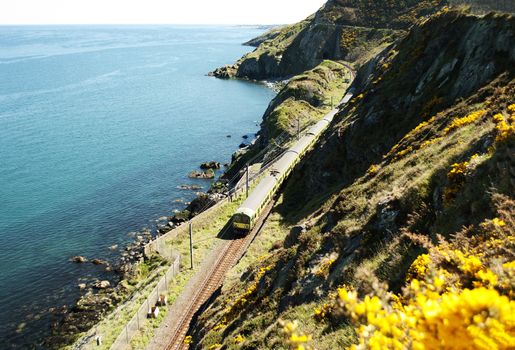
247 214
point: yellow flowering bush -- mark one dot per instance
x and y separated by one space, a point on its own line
320 312
372 170
325 265
504 127
468 119
400 153
348 37
242 299
455 124
219 326
296 339
457 296
456 178
239 339
419 267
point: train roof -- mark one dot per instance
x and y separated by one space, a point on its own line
318 127
246 211
255 198
285 161
302 144
347 97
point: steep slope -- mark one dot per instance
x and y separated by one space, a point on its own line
302 101
426 148
340 30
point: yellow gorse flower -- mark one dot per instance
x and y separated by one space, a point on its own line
239 339
498 222
468 119
434 311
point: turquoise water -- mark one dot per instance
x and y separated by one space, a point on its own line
98 127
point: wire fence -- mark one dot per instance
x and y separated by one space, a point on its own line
116 335
149 308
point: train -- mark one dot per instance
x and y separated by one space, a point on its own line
246 216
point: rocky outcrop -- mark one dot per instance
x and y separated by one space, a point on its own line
79 259
99 262
209 174
101 284
210 165
341 30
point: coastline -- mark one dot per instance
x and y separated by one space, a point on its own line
96 301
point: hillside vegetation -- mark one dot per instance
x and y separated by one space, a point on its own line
396 231
345 30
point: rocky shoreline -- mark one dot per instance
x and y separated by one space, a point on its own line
99 296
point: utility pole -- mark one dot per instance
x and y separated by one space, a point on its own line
191 245
298 128
247 180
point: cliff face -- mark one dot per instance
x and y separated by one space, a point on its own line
341 30
437 64
426 147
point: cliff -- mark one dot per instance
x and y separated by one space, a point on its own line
345 30
403 212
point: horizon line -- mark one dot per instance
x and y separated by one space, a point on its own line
141 24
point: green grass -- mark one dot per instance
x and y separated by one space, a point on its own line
205 233
411 181
150 271
306 98
272 232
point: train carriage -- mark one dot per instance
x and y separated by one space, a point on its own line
247 214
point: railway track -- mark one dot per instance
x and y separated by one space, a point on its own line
228 257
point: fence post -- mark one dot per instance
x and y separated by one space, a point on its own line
191 245
247 180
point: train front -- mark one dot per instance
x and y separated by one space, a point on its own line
242 220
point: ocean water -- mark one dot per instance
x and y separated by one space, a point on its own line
98 127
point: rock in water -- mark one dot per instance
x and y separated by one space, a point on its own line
210 165
99 262
209 174
101 284
79 259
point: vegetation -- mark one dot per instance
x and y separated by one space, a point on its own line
351 31
407 210
305 99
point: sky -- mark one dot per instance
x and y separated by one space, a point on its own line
156 11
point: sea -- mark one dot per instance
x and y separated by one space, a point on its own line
99 128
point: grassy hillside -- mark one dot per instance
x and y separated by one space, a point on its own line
420 162
302 101
345 30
